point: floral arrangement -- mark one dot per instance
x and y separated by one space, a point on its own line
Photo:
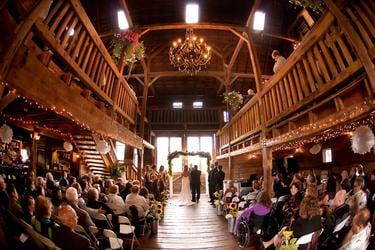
289 243
315 5
156 211
231 210
175 154
127 44
233 99
164 196
218 195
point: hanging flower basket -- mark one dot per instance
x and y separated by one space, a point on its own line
127 44
233 99
316 5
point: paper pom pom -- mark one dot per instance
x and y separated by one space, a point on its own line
250 92
68 146
6 134
362 140
103 147
315 149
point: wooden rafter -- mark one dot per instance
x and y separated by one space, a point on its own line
6 100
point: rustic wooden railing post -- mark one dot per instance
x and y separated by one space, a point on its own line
354 39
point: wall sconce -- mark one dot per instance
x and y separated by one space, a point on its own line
35 136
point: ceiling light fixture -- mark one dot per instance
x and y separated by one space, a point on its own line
190 55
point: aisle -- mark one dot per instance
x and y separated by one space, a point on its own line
194 227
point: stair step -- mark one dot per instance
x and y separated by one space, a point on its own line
103 169
94 160
96 164
91 147
84 142
82 137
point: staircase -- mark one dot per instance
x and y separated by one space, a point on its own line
96 162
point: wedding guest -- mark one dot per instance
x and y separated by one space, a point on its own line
64 236
39 186
28 208
126 191
294 199
43 212
255 189
146 178
312 190
345 182
371 189
30 188
358 236
50 182
144 193
281 186
162 179
102 196
261 207
93 201
56 200
4 197
138 201
120 184
154 176
211 181
279 60
358 199
64 181
219 178
230 190
115 202
14 206
84 218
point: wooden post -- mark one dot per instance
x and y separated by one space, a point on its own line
354 39
267 169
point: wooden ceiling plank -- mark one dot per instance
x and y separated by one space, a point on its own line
6 100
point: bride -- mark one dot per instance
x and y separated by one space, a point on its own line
184 198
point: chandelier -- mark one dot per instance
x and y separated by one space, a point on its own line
190 55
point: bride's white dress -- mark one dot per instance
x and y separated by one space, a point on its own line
184 199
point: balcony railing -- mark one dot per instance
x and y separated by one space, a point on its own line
320 65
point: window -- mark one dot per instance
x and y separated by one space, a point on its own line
24 155
191 13
202 143
122 21
197 105
177 105
120 151
259 18
226 116
327 155
166 145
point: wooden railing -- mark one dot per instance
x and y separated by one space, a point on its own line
66 30
319 66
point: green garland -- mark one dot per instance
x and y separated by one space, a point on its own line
176 154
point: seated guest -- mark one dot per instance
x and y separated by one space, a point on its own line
64 236
50 183
107 184
28 208
30 188
93 201
102 196
255 189
308 222
261 207
281 185
324 205
126 191
358 199
82 202
39 187
64 181
371 189
43 212
358 236
4 197
14 205
293 201
56 200
340 212
120 184
138 201
83 216
312 190
144 193
230 190
115 202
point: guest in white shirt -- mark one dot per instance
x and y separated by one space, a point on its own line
135 199
115 202
280 60
359 198
358 237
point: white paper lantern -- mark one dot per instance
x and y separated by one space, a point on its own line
6 134
68 146
362 140
250 92
102 147
315 149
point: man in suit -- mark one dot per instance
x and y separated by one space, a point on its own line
195 182
64 236
219 178
211 181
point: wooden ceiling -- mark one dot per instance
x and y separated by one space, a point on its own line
149 13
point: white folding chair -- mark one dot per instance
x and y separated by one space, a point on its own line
305 239
102 218
126 228
341 225
241 205
114 241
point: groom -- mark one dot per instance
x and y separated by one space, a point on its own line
195 182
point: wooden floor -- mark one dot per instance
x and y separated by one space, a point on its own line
193 227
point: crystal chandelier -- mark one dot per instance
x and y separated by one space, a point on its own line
190 55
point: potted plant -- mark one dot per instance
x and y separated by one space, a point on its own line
154 215
233 99
117 170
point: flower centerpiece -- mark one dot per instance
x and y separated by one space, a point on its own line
316 5
127 44
289 243
231 216
164 197
233 99
155 214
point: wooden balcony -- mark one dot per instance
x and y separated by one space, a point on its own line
56 58
328 80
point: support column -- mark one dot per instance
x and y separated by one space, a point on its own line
267 169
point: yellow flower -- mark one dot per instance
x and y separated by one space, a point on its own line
160 206
159 211
234 210
287 234
232 205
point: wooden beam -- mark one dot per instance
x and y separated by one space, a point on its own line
6 100
33 80
355 41
267 169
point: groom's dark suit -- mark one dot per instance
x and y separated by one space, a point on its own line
195 182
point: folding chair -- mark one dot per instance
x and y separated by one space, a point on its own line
126 228
305 239
101 221
341 225
114 241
